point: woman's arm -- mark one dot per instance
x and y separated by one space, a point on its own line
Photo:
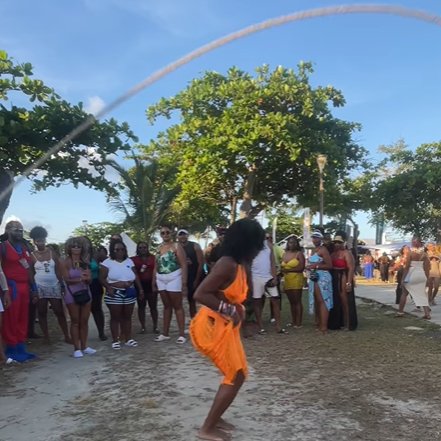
200 258
209 292
154 285
426 266
138 283
350 262
182 259
103 274
327 261
6 298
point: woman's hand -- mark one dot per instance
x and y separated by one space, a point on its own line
6 299
239 316
111 291
184 290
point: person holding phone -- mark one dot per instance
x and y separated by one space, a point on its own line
77 278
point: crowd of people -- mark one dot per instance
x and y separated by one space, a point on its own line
77 281
230 281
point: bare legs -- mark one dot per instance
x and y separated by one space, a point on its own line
97 308
126 321
57 308
322 312
258 307
152 299
403 300
295 301
173 301
433 285
79 328
222 401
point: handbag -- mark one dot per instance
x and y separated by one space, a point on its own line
80 297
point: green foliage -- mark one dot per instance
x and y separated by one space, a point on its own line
288 219
98 233
27 133
145 203
408 187
235 130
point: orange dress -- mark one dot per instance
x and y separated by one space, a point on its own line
215 337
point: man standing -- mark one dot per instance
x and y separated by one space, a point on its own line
195 263
216 251
15 260
264 278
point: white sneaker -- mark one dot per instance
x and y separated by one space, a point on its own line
89 351
78 354
162 337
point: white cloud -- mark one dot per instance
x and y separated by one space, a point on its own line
94 105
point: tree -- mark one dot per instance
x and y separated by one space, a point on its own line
145 203
288 220
254 139
408 187
27 133
98 233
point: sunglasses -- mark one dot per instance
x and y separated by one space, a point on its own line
165 233
76 246
17 230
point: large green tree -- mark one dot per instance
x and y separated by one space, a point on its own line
147 196
29 130
407 189
252 141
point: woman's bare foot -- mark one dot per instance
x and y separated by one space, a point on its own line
224 425
213 435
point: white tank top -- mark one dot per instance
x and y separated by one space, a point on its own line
45 272
261 266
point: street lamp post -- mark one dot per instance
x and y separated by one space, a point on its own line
321 162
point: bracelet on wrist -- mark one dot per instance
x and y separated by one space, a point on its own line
226 309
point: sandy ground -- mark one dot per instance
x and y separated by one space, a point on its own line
379 383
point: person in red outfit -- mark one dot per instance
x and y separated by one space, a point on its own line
144 264
15 260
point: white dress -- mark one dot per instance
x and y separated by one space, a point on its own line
416 284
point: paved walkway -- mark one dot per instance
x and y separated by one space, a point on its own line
385 294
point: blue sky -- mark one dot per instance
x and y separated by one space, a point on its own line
389 69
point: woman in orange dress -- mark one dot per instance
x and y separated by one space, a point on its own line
215 330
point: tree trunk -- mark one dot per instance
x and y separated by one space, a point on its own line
233 209
246 206
6 179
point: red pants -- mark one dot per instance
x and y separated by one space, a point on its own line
15 318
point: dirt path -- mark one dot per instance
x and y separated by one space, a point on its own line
379 383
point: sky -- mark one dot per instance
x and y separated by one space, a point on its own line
388 68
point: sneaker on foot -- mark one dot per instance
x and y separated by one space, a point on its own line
78 354
89 351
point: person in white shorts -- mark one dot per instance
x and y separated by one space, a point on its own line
264 278
170 279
